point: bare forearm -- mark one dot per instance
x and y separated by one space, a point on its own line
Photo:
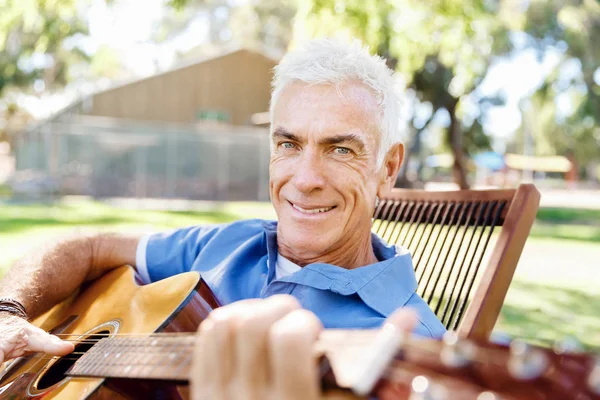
50 274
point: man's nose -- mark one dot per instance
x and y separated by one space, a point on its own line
309 172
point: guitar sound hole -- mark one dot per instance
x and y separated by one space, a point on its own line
56 372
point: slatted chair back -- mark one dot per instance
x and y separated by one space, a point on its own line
465 247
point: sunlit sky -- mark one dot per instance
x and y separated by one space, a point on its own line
123 28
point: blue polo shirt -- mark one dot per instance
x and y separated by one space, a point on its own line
237 261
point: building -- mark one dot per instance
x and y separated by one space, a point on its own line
230 87
186 133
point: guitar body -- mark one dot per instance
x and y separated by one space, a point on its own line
114 304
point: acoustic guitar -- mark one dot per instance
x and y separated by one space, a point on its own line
135 341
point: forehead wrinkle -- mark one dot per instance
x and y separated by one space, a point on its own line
355 112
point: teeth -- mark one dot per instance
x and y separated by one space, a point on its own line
312 211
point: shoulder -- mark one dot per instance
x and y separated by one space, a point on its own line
179 250
194 238
249 225
240 231
202 232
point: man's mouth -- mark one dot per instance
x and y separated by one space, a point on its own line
311 210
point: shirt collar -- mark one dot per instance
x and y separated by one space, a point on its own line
384 286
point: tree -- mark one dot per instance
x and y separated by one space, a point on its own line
256 24
33 38
442 48
33 34
573 28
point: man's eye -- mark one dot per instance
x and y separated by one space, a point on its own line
287 145
342 151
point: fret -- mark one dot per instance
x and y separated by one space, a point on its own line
172 355
138 359
154 357
96 360
185 359
183 369
156 346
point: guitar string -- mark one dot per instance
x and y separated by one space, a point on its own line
398 372
415 344
127 334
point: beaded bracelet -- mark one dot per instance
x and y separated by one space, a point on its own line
14 307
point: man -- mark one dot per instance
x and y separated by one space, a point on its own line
335 148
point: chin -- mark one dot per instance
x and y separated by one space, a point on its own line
306 243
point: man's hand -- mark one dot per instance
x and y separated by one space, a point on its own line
257 349
262 349
18 337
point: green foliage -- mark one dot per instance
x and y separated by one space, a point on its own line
574 26
32 34
451 39
442 48
254 24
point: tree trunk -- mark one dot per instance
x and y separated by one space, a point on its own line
413 150
459 170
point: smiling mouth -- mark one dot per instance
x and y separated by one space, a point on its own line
315 210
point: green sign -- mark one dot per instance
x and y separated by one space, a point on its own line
212 115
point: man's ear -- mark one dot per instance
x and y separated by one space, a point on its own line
391 167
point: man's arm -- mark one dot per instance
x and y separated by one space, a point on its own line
47 276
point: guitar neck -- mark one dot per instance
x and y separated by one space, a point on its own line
160 357
359 359
168 357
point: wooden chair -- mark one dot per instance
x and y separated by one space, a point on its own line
465 247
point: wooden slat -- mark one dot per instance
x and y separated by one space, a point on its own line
488 258
484 309
453 195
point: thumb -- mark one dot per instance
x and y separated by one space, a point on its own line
43 342
404 319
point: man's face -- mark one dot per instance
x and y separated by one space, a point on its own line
323 172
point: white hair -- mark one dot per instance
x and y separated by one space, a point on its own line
327 61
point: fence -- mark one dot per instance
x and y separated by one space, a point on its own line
104 157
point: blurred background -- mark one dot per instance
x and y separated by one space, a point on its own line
152 114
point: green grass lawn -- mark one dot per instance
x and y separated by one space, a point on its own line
552 296
567 223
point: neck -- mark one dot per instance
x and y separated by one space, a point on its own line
354 253
168 357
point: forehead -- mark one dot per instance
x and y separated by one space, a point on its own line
317 109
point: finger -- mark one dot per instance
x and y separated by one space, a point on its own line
41 341
210 370
251 336
293 364
232 310
213 364
12 344
213 360
405 319
197 388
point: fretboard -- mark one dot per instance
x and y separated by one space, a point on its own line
169 356
153 357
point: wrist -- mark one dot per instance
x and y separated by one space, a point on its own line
14 307
7 316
